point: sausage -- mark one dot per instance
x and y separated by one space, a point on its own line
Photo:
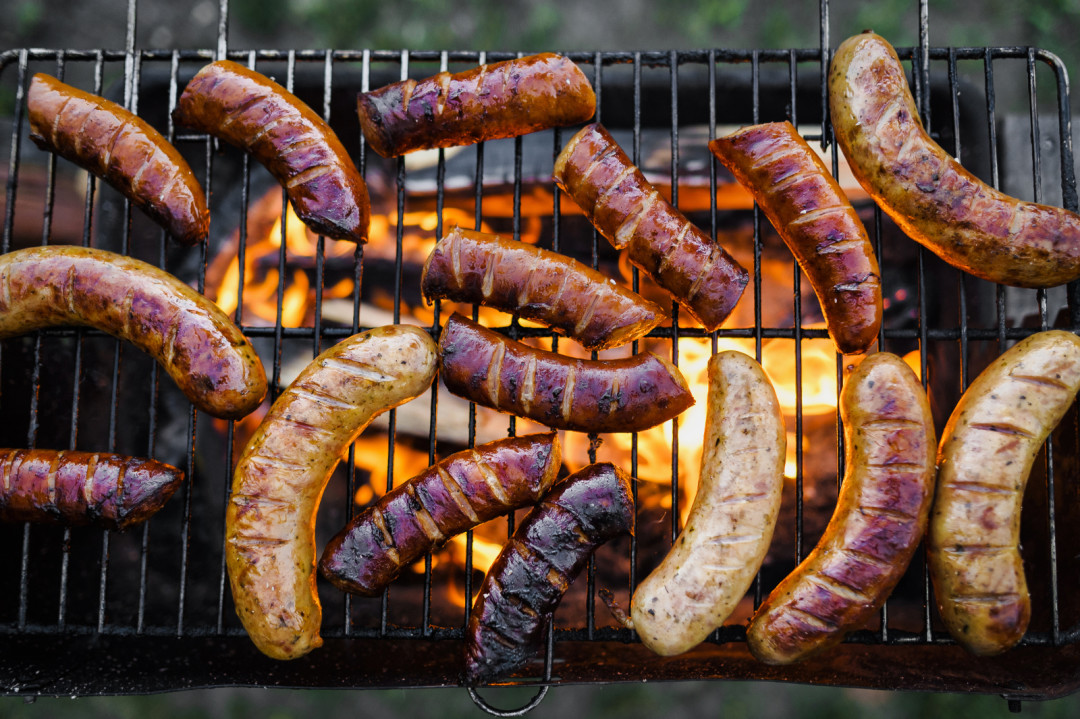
82 488
299 149
195 342
810 212
929 194
727 534
986 454
619 395
456 494
539 285
685 262
488 102
880 518
123 150
552 544
281 475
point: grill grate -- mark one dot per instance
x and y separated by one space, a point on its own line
195 647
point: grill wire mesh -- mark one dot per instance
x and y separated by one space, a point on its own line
145 625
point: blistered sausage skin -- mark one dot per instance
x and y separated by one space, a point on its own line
987 450
727 534
685 262
280 478
880 518
620 395
929 194
810 212
299 149
537 284
121 148
82 488
550 547
456 494
194 341
504 99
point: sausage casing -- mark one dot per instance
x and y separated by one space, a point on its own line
727 534
456 494
299 149
194 341
685 262
121 148
539 285
504 99
986 454
929 194
880 518
82 488
810 212
619 395
280 478
550 547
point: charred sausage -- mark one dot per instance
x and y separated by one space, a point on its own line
122 149
810 212
880 518
456 494
685 262
201 349
620 395
929 194
539 285
489 102
281 475
986 454
299 149
80 488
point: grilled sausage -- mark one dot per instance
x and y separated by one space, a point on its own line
460 492
122 149
930 195
727 534
685 262
489 102
810 212
82 488
880 517
620 395
194 341
281 475
986 454
299 149
539 285
552 544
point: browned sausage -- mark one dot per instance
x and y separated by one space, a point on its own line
80 488
122 149
810 212
620 395
194 341
929 194
696 271
455 495
505 99
299 149
880 518
539 285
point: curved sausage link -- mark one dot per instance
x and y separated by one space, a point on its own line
194 341
122 149
929 194
696 271
489 102
539 285
299 149
810 212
